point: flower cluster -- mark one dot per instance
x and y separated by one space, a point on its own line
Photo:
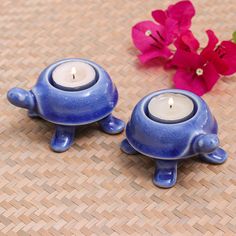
197 70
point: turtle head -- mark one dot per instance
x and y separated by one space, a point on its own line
21 98
206 143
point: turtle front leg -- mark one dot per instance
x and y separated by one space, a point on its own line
112 125
219 156
62 138
127 148
165 175
32 114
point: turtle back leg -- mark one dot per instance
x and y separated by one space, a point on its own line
165 174
63 138
127 148
112 125
218 156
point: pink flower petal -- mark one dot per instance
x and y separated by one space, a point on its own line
187 42
169 65
159 16
221 66
230 57
230 47
182 12
210 75
184 59
186 80
147 56
212 41
170 30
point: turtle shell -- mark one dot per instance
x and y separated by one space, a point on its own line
74 107
168 141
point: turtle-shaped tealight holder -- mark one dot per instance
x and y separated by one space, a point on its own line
168 143
70 109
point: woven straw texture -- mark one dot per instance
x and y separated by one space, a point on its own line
93 188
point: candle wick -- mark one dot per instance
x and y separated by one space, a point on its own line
73 72
171 102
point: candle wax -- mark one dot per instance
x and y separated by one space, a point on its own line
170 108
74 76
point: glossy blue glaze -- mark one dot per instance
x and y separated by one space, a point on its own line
75 107
70 108
168 143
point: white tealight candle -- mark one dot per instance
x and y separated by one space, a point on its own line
170 108
74 75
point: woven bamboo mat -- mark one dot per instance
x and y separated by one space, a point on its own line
95 189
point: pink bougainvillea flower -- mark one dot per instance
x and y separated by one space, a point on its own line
182 13
152 40
223 55
194 73
187 42
199 72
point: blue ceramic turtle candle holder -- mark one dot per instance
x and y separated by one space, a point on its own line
169 143
69 109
